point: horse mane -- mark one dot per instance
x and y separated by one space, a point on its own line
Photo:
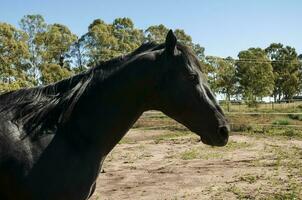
189 55
42 110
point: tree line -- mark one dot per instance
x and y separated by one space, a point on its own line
37 53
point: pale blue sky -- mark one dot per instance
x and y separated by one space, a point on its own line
223 27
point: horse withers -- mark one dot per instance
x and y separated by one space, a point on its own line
53 139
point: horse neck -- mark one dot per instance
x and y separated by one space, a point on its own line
109 108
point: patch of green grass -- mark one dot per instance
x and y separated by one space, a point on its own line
283 132
285 157
190 154
295 117
282 196
207 152
238 192
212 155
200 154
281 122
249 178
232 145
126 141
171 135
290 191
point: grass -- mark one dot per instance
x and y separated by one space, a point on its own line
280 165
198 154
252 123
295 117
206 152
190 154
250 178
281 122
126 140
233 145
171 136
238 192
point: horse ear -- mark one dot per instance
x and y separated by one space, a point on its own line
171 42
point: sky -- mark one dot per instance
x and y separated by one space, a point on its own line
223 27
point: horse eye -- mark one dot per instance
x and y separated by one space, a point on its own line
194 78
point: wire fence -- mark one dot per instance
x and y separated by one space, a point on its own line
238 121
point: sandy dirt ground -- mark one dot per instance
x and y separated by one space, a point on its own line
163 164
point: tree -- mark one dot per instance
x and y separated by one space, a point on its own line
199 52
105 41
78 55
226 78
101 42
128 37
287 70
210 69
255 74
156 33
33 25
222 75
52 72
55 41
13 56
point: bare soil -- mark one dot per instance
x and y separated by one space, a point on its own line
165 164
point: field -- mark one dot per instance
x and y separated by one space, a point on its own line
160 159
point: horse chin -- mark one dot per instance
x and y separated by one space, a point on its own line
211 142
207 139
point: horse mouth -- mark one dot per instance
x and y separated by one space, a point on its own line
217 138
219 142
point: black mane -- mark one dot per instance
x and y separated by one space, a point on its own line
190 56
41 110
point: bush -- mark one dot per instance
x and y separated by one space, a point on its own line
295 117
241 128
282 122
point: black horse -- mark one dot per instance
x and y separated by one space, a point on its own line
54 139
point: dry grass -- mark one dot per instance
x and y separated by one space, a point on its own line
160 159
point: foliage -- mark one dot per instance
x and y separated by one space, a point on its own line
256 79
13 55
222 75
33 25
105 41
295 117
53 72
42 53
281 122
55 41
287 70
156 33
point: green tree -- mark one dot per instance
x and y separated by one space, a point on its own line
52 72
78 55
226 78
156 33
13 58
287 70
199 51
128 37
105 41
211 70
55 42
100 42
222 75
33 25
255 74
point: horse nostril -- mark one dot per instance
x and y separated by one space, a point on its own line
224 131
